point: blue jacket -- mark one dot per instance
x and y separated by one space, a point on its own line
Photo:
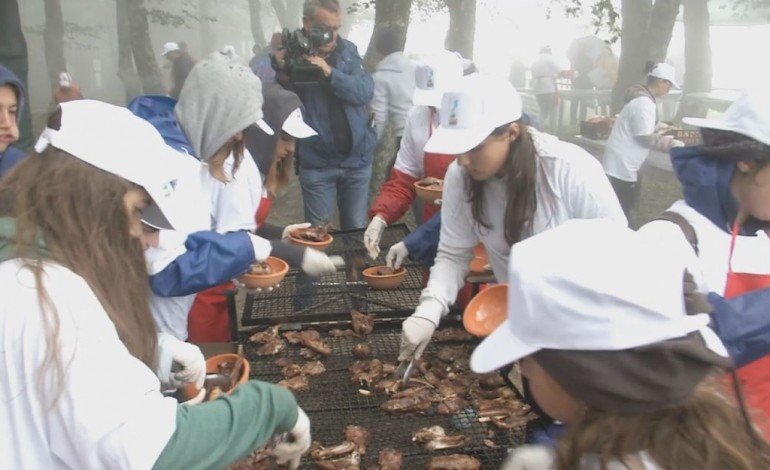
742 323
350 83
11 156
422 244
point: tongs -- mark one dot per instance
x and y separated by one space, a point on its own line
404 370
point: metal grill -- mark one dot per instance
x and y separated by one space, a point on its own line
302 299
333 402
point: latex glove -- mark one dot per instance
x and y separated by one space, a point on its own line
290 453
373 235
416 332
191 363
290 228
316 263
197 399
677 143
396 255
530 457
437 201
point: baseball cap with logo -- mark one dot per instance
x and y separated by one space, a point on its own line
435 75
296 127
170 47
112 139
749 115
591 285
471 112
665 72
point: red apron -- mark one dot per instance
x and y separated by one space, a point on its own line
755 376
434 166
208 321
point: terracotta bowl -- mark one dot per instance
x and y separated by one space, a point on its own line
212 367
480 260
263 281
426 194
294 237
388 281
487 310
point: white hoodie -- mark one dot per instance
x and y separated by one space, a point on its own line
393 89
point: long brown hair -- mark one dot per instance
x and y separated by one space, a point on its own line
77 212
521 186
217 162
707 433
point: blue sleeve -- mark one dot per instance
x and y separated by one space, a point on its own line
743 325
9 159
211 259
356 87
422 244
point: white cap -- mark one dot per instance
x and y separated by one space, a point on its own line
296 127
65 79
228 50
170 47
112 139
666 72
591 285
749 115
470 114
435 75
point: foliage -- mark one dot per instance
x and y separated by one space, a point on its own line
604 14
185 15
75 35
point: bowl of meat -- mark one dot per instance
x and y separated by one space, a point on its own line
429 189
384 277
265 275
487 310
315 237
221 376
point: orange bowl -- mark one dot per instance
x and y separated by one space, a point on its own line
387 281
480 260
487 310
212 367
427 194
295 238
263 281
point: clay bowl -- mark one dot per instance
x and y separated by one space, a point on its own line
263 281
295 238
426 194
387 281
212 367
480 260
487 310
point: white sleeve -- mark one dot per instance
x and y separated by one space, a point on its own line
411 153
668 235
587 191
455 247
379 104
642 116
553 66
233 207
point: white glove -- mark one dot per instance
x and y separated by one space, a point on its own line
396 255
530 457
290 228
290 453
417 330
180 363
373 235
315 263
437 201
677 143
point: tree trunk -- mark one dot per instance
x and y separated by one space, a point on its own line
144 56
13 55
126 71
208 40
633 47
289 13
661 28
257 32
462 27
697 54
388 14
53 38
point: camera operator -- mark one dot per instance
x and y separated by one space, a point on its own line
335 165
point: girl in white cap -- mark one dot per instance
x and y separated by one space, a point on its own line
78 384
722 224
509 182
615 346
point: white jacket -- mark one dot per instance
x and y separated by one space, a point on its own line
410 158
393 89
110 413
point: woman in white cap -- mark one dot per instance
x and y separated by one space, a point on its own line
616 346
78 384
509 182
634 135
722 224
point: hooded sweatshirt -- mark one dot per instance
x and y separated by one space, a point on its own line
393 89
11 156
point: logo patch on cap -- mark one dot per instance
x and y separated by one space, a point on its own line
425 77
461 110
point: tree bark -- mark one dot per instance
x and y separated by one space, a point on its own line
289 13
462 27
661 28
13 55
208 39
126 70
257 32
144 56
697 56
388 14
633 47
53 38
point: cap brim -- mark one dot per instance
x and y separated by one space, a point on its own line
297 128
456 141
427 98
706 123
153 215
265 127
500 348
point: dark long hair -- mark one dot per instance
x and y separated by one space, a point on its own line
520 174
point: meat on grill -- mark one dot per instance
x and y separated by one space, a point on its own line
298 383
292 370
384 271
282 362
313 368
390 459
362 350
419 401
336 333
265 335
451 405
262 459
435 438
261 269
315 234
454 462
359 436
351 461
293 337
317 346
271 347
366 373
307 353
451 334
362 324
491 380
325 453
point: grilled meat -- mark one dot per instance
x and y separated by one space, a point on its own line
435 438
384 271
326 453
297 383
350 462
491 380
271 347
449 354
307 353
511 421
293 337
317 346
262 459
265 335
291 370
502 392
336 333
362 324
431 183
315 234
451 405
313 368
451 334
283 362
261 269
423 435
362 350
389 386
419 401
390 459
366 373
454 462
358 436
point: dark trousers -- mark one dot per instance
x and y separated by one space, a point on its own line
628 193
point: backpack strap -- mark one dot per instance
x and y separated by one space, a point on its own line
687 229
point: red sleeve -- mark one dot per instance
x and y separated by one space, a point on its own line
396 195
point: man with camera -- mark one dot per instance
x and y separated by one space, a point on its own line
327 73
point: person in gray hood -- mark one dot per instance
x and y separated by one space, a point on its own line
12 97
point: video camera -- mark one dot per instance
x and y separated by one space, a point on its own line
298 45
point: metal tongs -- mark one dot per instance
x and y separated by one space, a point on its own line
404 370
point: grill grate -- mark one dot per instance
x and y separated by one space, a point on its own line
301 298
333 402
